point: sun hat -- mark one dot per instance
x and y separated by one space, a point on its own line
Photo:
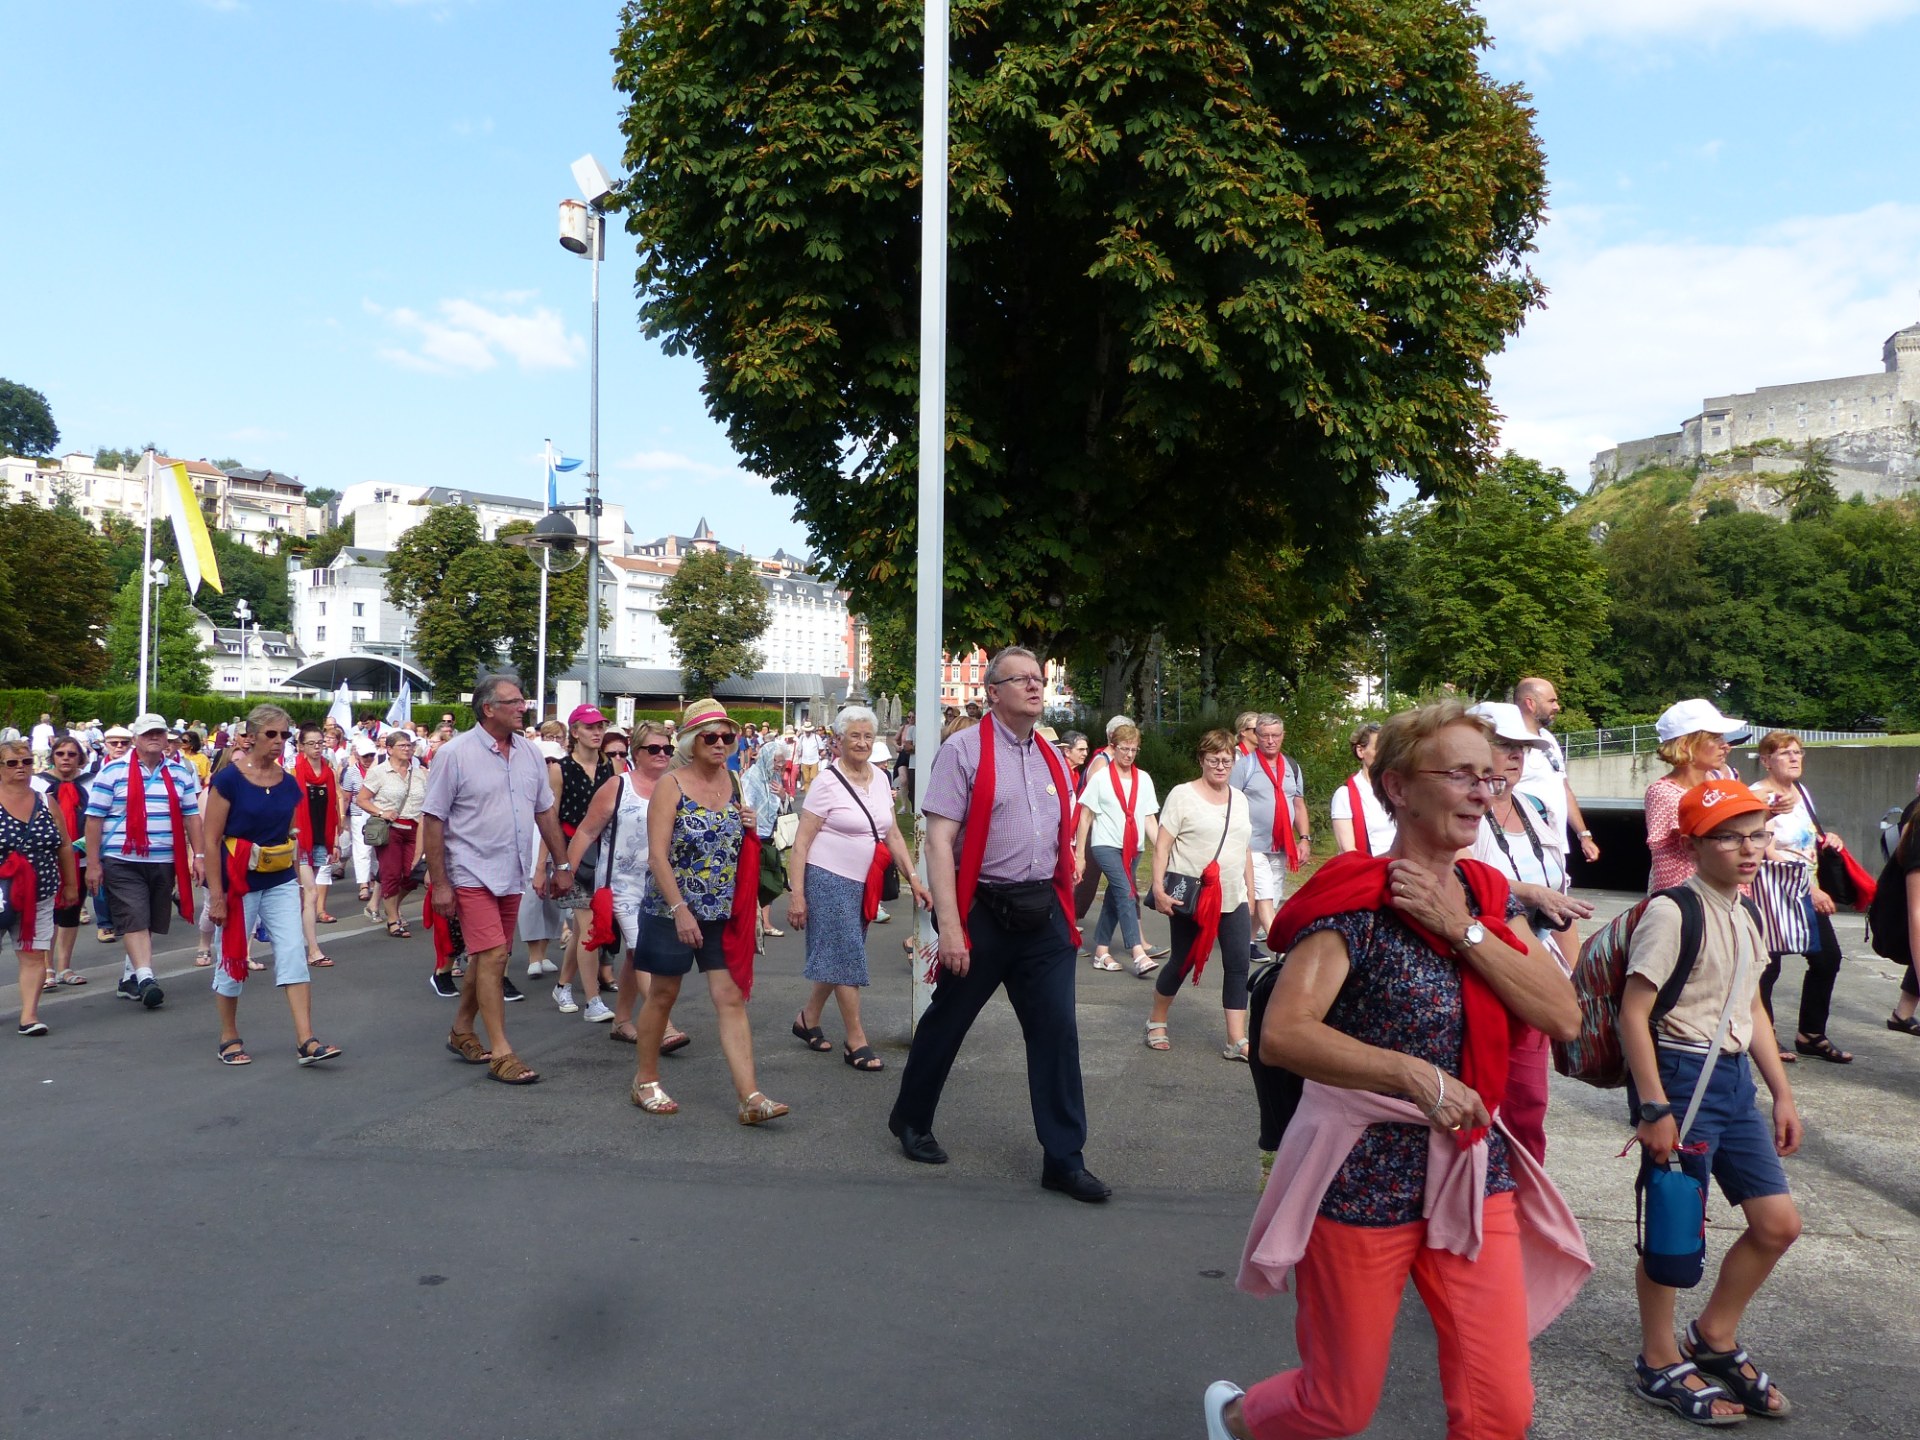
117 732
1712 803
1690 717
704 712
363 745
1508 723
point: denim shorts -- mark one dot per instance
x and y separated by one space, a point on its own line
1739 1138
278 908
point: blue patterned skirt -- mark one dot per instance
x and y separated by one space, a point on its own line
836 936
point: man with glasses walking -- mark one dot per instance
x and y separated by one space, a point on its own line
487 794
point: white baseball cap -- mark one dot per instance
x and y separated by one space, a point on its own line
1508 723
1690 717
148 722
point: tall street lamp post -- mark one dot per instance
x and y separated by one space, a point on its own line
243 612
583 231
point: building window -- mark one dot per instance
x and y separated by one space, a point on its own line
359 634
359 609
320 633
323 607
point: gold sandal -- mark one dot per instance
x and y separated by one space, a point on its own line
757 1109
651 1098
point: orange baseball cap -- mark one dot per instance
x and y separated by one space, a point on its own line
1710 804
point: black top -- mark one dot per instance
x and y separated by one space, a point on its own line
577 789
1887 915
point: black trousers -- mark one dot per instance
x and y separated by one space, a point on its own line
1816 994
1038 970
1235 941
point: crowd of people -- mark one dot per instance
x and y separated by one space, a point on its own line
1399 1049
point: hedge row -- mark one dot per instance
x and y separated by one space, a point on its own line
71 705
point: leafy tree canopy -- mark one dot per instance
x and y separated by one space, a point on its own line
716 611
178 661
58 589
26 421
1215 269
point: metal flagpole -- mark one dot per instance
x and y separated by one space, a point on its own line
930 561
598 240
540 695
146 586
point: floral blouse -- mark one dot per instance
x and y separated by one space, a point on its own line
1401 996
705 853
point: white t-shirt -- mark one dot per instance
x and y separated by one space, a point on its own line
809 749
1545 776
1109 816
42 738
1381 831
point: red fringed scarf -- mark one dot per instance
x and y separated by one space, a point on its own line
135 841
1130 840
71 797
1352 882
602 932
973 846
1362 841
1206 916
23 891
1282 808
737 942
234 936
303 813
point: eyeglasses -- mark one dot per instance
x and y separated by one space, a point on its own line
517 703
116 743
1466 780
272 734
18 763
719 737
1033 680
1738 840
657 749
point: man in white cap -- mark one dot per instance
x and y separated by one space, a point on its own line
807 754
1545 777
42 743
144 848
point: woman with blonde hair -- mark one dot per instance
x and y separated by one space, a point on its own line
696 830
1694 740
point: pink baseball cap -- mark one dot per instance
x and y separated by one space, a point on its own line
586 715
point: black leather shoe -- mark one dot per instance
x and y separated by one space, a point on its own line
918 1144
1079 1184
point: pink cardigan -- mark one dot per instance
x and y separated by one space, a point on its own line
1325 1129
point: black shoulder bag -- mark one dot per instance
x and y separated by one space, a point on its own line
1184 890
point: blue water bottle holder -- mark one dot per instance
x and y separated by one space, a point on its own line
1670 1196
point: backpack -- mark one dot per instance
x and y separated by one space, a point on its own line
1890 831
1600 980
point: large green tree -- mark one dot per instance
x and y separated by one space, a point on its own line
716 611
26 421
1215 270
178 662
566 611
56 586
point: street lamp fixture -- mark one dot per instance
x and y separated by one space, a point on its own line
583 231
555 544
243 612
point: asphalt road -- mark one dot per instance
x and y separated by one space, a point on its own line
392 1245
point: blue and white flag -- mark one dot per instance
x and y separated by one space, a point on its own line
401 711
556 464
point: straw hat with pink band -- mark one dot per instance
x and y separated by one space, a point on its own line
698 716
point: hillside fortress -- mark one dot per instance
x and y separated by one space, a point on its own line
1869 426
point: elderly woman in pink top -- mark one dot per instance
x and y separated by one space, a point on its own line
1694 740
847 839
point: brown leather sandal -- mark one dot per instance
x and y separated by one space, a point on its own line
468 1047
512 1070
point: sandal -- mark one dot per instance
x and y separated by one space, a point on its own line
1735 1371
467 1046
398 930
512 1070
366 893
757 1109
1668 1386
1235 1052
865 1058
812 1036
1160 1041
674 1040
776 934
234 1052
1787 1057
72 977
1908 1026
1823 1047
312 1052
1145 966
327 919
253 964
321 962
648 1095
1105 962
201 960
629 1037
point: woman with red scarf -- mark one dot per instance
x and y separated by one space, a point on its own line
1402 980
1117 817
37 874
317 826
1360 821
1206 831
67 793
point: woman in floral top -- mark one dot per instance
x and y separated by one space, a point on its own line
695 825
1387 963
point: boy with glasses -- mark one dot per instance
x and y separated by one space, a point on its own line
1708 1378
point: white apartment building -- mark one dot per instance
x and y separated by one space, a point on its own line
255 507
246 662
342 608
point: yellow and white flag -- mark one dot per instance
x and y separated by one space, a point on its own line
177 501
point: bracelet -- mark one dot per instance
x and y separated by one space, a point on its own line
675 906
1584 834
1441 1076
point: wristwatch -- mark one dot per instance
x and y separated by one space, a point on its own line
563 865
1584 834
1651 1111
1476 932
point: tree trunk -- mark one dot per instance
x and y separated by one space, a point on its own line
1115 674
1209 675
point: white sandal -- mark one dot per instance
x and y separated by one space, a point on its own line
1144 966
1161 1026
1105 962
1236 1052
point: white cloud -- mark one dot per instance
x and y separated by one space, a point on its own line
467 337
1634 336
1554 25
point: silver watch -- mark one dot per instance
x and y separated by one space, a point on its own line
1476 932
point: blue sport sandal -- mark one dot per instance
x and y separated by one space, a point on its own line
1668 1386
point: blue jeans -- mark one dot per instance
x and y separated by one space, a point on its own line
279 907
1119 907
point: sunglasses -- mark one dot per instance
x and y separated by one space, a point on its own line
614 754
719 737
18 763
273 734
658 749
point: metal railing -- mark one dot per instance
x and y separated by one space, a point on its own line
1640 739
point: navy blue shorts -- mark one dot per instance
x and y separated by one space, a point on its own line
1739 1138
662 952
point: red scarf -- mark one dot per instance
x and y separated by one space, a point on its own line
1362 841
1130 840
23 891
1353 882
1206 918
233 934
1282 808
303 812
738 940
134 841
441 928
71 797
973 847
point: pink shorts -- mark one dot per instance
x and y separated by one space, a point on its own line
486 919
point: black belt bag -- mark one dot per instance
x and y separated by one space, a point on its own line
1021 909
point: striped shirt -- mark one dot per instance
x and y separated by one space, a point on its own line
107 802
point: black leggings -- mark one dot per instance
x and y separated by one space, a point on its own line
1236 943
1816 992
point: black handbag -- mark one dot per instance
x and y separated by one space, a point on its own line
1184 890
1830 870
890 882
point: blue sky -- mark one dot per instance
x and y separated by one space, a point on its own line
321 235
